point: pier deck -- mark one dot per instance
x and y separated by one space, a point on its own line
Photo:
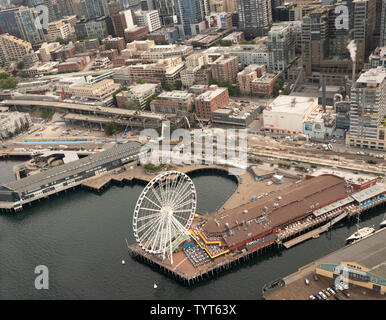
313 233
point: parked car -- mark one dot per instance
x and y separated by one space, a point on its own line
312 297
306 282
318 297
322 295
331 291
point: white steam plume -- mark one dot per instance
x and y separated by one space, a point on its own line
352 47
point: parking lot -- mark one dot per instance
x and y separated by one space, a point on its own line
297 289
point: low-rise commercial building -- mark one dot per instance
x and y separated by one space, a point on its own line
169 35
264 85
172 102
99 91
287 114
139 93
210 101
73 64
235 115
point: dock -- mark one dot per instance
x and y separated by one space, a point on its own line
315 232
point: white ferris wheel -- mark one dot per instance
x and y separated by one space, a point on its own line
164 212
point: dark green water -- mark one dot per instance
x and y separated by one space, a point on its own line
80 236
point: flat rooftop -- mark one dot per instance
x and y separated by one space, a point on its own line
292 104
376 75
210 94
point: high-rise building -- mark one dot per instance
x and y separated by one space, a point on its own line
8 22
368 110
12 48
94 28
190 16
382 40
281 46
364 27
130 4
26 20
254 17
66 8
166 11
92 8
149 19
122 20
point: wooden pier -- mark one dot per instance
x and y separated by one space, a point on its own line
313 233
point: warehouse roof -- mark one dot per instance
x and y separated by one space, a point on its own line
34 182
246 221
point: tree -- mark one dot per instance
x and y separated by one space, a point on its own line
225 43
141 81
4 75
150 99
8 83
61 41
162 42
248 42
110 128
20 65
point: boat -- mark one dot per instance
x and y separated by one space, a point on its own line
360 233
123 262
383 222
155 286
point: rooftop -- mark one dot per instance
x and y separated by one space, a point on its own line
296 201
211 94
376 75
291 104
